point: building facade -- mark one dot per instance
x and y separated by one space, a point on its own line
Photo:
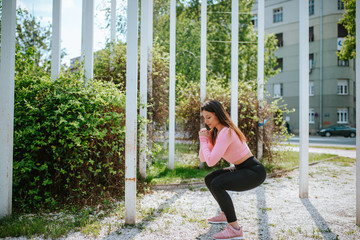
331 80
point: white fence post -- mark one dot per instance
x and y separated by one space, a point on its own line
112 30
203 50
260 72
234 60
143 83
56 39
87 40
7 82
357 113
131 111
304 97
172 84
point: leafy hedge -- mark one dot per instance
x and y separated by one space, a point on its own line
68 140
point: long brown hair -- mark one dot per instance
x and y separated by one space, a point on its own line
215 106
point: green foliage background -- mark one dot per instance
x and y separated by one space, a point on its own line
68 139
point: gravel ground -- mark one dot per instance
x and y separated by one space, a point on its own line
271 211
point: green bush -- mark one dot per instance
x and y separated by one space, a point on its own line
111 67
68 140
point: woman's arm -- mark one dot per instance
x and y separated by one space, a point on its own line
222 143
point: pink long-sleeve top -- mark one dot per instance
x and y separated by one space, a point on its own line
228 146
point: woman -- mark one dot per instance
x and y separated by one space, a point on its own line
225 140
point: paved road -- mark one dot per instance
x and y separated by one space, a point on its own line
328 141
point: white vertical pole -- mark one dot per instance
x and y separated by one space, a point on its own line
143 82
357 113
304 97
172 84
203 50
112 32
234 59
113 22
88 38
56 39
150 63
260 72
131 111
7 76
83 30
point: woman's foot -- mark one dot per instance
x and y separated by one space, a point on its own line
221 218
229 233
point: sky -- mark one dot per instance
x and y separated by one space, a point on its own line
71 22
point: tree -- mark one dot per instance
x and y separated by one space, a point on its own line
188 28
348 50
30 33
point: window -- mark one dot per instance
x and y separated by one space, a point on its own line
279 37
254 20
311 7
311 115
278 15
342 63
278 90
280 64
311 88
311 62
311 34
343 87
340 5
342 115
342 32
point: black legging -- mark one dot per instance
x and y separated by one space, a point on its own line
245 176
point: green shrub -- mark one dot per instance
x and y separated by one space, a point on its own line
68 140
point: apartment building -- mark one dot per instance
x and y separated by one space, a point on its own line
331 80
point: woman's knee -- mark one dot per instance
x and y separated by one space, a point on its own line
208 179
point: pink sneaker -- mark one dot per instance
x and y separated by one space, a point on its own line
229 233
221 218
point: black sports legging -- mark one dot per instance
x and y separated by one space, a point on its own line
245 176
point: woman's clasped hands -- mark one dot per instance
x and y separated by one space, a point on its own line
204 132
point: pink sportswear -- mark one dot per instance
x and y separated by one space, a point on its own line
227 145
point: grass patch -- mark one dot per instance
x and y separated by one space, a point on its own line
53 226
290 160
186 166
328 147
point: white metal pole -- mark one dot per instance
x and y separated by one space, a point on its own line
88 38
304 97
143 83
83 27
357 114
172 84
203 50
150 81
56 39
7 81
260 72
234 59
131 111
113 22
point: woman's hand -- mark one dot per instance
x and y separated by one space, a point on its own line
204 132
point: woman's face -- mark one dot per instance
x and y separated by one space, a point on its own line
210 119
